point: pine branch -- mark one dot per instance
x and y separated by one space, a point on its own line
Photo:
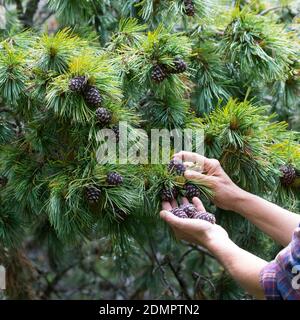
27 17
179 278
19 6
266 11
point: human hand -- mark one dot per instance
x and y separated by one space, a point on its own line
194 230
227 194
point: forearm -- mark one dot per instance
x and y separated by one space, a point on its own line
243 266
275 221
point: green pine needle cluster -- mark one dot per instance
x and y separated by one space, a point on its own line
241 87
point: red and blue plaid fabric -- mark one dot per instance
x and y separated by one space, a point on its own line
280 278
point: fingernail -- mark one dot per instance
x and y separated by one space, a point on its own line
188 173
164 213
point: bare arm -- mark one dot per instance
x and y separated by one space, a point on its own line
243 266
277 222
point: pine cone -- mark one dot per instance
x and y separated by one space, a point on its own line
189 210
179 213
169 194
121 215
159 73
189 8
92 96
93 193
114 179
78 84
191 191
205 216
288 175
179 66
176 167
103 116
3 181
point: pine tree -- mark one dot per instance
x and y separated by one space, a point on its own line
229 69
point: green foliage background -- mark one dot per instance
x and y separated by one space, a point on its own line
241 88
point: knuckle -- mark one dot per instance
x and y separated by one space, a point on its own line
215 162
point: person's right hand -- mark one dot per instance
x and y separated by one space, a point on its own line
227 194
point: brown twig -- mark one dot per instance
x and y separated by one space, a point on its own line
180 280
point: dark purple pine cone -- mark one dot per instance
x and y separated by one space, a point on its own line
189 209
158 73
93 193
288 175
191 191
176 167
179 66
169 194
92 96
179 213
189 8
114 179
77 84
121 215
205 216
103 116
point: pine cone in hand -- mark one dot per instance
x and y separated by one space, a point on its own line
205 216
189 210
179 213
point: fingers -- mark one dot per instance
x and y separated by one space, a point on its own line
171 219
205 163
166 205
189 156
194 175
198 204
174 204
184 200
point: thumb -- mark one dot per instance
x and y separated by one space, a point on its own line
170 218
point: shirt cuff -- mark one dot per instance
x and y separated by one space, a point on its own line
268 281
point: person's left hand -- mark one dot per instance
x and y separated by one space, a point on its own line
193 230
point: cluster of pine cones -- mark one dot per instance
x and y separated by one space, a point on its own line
93 192
189 211
92 97
160 71
190 190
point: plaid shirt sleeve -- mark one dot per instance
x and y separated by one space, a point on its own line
280 278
